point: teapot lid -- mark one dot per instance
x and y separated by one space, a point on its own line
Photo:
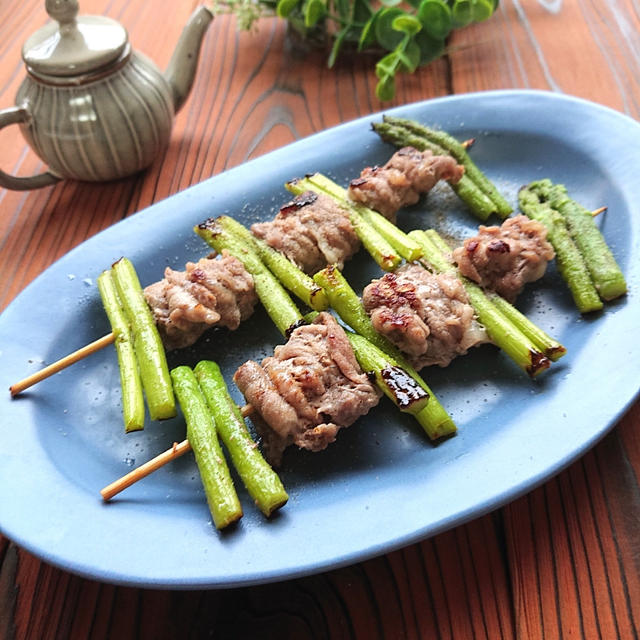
72 45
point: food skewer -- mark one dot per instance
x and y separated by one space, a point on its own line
147 468
391 377
478 202
433 418
500 325
61 364
600 263
279 265
409 395
443 140
571 263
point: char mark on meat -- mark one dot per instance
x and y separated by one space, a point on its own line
503 259
312 230
210 292
426 316
310 388
400 182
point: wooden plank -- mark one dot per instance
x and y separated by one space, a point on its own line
574 553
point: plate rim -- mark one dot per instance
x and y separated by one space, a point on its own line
355 556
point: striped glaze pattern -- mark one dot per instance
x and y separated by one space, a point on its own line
110 128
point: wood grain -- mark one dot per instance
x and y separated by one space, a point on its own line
560 562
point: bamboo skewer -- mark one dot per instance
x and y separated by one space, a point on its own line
177 450
146 469
467 144
597 212
63 363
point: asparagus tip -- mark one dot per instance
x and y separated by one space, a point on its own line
208 225
298 323
539 362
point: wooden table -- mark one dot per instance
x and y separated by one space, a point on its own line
562 561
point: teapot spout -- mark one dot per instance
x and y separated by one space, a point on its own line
184 61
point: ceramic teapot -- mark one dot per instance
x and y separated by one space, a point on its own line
92 108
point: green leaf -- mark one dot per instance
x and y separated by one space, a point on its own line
367 35
430 48
386 89
482 10
390 3
386 67
343 7
406 23
386 35
436 18
314 10
410 57
462 12
361 11
337 44
285 7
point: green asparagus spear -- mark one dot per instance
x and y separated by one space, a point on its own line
392 379
457 151
433 418
261 481
132 397
478 202
436 252
272 294
378 247
293 278
569 260
201 433
502 332
544 342
605 272
152 361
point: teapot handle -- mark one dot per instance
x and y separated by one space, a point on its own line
17 115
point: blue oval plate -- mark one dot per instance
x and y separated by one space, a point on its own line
382 485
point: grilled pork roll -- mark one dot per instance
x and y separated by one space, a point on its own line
312 231
310 388
400 182
426 316
503 259
211 292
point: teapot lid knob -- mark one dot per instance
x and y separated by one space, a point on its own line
73 45
64 11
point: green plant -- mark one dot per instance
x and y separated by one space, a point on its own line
412 33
